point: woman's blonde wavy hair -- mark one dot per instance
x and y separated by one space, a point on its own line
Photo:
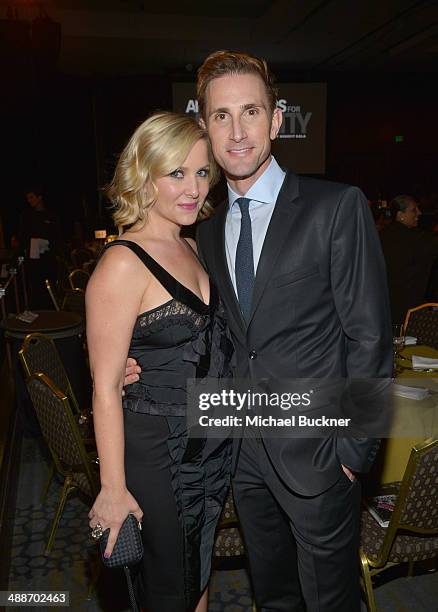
158 147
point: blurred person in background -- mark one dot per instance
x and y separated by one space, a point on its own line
38 236
409 256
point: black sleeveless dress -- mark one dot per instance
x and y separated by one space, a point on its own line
179 482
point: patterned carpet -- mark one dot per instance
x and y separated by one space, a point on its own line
69 565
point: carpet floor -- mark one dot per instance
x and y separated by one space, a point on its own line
68 568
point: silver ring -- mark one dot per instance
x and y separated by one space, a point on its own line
97 532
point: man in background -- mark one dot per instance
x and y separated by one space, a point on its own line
409 255
37 236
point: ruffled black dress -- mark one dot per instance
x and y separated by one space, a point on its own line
180 482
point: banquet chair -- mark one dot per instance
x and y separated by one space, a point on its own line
412 532
229 549
422 322
71 299
78 279
39 354
74 464
74 301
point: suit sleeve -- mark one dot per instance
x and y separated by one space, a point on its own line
359 286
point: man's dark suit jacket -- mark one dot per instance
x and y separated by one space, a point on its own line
409 256
319 310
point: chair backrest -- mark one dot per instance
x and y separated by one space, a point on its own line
74 301
78 279
416 508
39 354
61 432
422 322
420 490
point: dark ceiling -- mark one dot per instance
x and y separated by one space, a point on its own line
128 37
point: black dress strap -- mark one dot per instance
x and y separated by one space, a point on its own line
178 291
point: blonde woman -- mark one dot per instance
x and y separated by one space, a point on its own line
151 299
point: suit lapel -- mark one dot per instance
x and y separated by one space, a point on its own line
223 278
278 231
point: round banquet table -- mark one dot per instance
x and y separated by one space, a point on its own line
405 361
422 414
66 330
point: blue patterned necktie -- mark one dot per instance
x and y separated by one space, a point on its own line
244 260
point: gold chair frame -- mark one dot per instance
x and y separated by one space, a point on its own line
61 380
68 471
74 301
371 566
52 295
75 273
412 310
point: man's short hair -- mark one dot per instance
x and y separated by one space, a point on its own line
223 63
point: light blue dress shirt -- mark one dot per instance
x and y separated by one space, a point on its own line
262 195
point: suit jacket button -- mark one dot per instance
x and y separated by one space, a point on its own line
252 355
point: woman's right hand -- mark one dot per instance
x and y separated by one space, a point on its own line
110 510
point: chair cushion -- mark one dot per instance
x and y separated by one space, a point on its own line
406 547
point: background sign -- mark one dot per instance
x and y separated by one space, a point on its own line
300 145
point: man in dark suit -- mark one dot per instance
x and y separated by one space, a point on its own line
298 265
409 255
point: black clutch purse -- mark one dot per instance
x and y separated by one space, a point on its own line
128 549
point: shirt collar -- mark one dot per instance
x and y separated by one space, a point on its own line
266 187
